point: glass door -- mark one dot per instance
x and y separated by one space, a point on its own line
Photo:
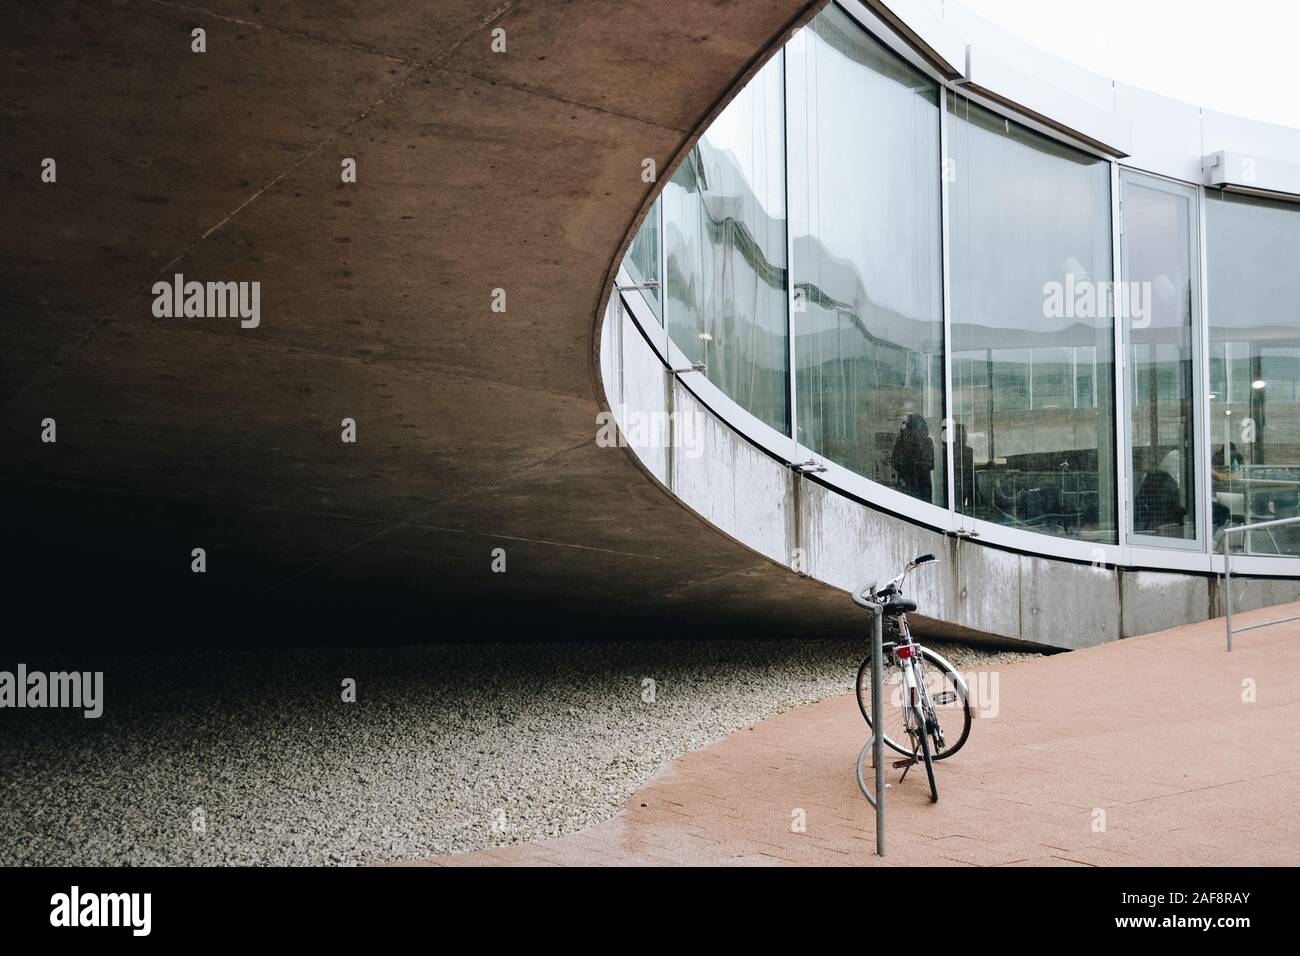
1158 302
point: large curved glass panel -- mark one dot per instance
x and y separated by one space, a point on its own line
1253 248
1161 288
867 270
642 260
725 237
1032 332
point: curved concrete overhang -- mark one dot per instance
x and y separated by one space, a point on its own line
478 169
828 524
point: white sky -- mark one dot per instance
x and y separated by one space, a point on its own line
1238 56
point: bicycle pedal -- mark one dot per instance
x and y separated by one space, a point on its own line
900 764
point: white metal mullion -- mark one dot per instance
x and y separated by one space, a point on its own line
793 403
949 407
1199 451
1203 404
1122 404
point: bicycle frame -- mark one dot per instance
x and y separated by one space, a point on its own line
918 702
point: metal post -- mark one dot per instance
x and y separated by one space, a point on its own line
618 337
878 731
1227 584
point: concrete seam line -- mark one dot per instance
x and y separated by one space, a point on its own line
507 84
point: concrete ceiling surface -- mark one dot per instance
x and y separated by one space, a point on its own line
476 170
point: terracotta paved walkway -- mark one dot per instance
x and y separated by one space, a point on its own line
1152 730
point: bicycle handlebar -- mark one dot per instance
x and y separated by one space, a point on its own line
860 594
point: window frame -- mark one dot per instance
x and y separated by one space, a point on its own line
1200 381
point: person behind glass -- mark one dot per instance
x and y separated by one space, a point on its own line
1235 459
1220 513
964 459
913 456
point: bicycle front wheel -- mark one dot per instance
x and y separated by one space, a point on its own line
952 710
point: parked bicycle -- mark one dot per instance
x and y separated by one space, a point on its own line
926 709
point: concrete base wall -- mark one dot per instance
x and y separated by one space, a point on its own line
974 591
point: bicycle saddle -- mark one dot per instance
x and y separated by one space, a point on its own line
899 605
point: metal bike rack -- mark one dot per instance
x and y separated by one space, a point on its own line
877 739
1227 570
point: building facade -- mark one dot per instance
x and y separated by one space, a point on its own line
929 287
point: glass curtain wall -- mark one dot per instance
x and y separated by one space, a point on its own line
1032 329
1254 297
726 301
643 260
1158 310
1032 305
865 207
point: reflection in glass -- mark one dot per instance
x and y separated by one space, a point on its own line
1160 279
1254 288
1032 332
643 259
726 302
867 269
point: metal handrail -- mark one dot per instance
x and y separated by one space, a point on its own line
1227 570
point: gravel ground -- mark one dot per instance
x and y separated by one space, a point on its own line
252 757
